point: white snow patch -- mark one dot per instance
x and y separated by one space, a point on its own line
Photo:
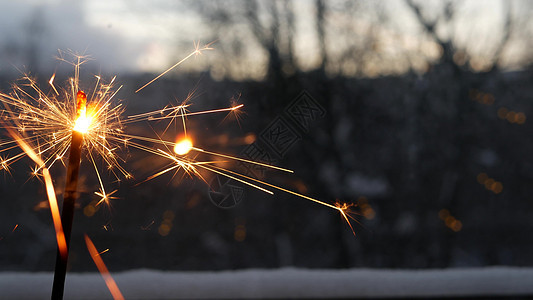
278 283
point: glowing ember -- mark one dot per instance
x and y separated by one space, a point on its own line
183 147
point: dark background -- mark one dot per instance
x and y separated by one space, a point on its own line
434 146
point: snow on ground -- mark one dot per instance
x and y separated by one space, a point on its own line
278 283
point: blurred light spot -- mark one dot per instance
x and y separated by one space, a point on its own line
490 183
240 233
249 138
168 215
300 186
502 112
496 187
240 229
164 229
512 117
41 205
166 225
520 118
443 213
193 200
450 221
223 139
481 97
457 226
91 208
366 209
481 177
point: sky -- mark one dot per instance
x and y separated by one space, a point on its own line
149 36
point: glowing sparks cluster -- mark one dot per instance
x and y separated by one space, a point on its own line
45 122
42 126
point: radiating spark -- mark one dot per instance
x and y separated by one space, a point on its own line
196 51
109 281
179 156
45 123
105 197
174 111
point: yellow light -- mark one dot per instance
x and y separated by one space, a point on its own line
82 124
183 147
82 121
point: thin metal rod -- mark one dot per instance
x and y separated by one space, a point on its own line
67 214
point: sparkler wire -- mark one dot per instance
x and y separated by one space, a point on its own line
67 214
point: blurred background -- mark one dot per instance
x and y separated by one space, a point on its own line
416 111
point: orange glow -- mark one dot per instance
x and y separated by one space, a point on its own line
54 209
109 281
443 213
240 233
488 183
183 147
496 187
482 177
450 221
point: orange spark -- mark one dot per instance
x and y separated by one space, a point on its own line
109 281
54 209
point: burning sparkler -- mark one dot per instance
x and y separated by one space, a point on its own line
68 120
49 125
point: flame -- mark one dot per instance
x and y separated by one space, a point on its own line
183 147
83 122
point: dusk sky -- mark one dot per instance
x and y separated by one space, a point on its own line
140 36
